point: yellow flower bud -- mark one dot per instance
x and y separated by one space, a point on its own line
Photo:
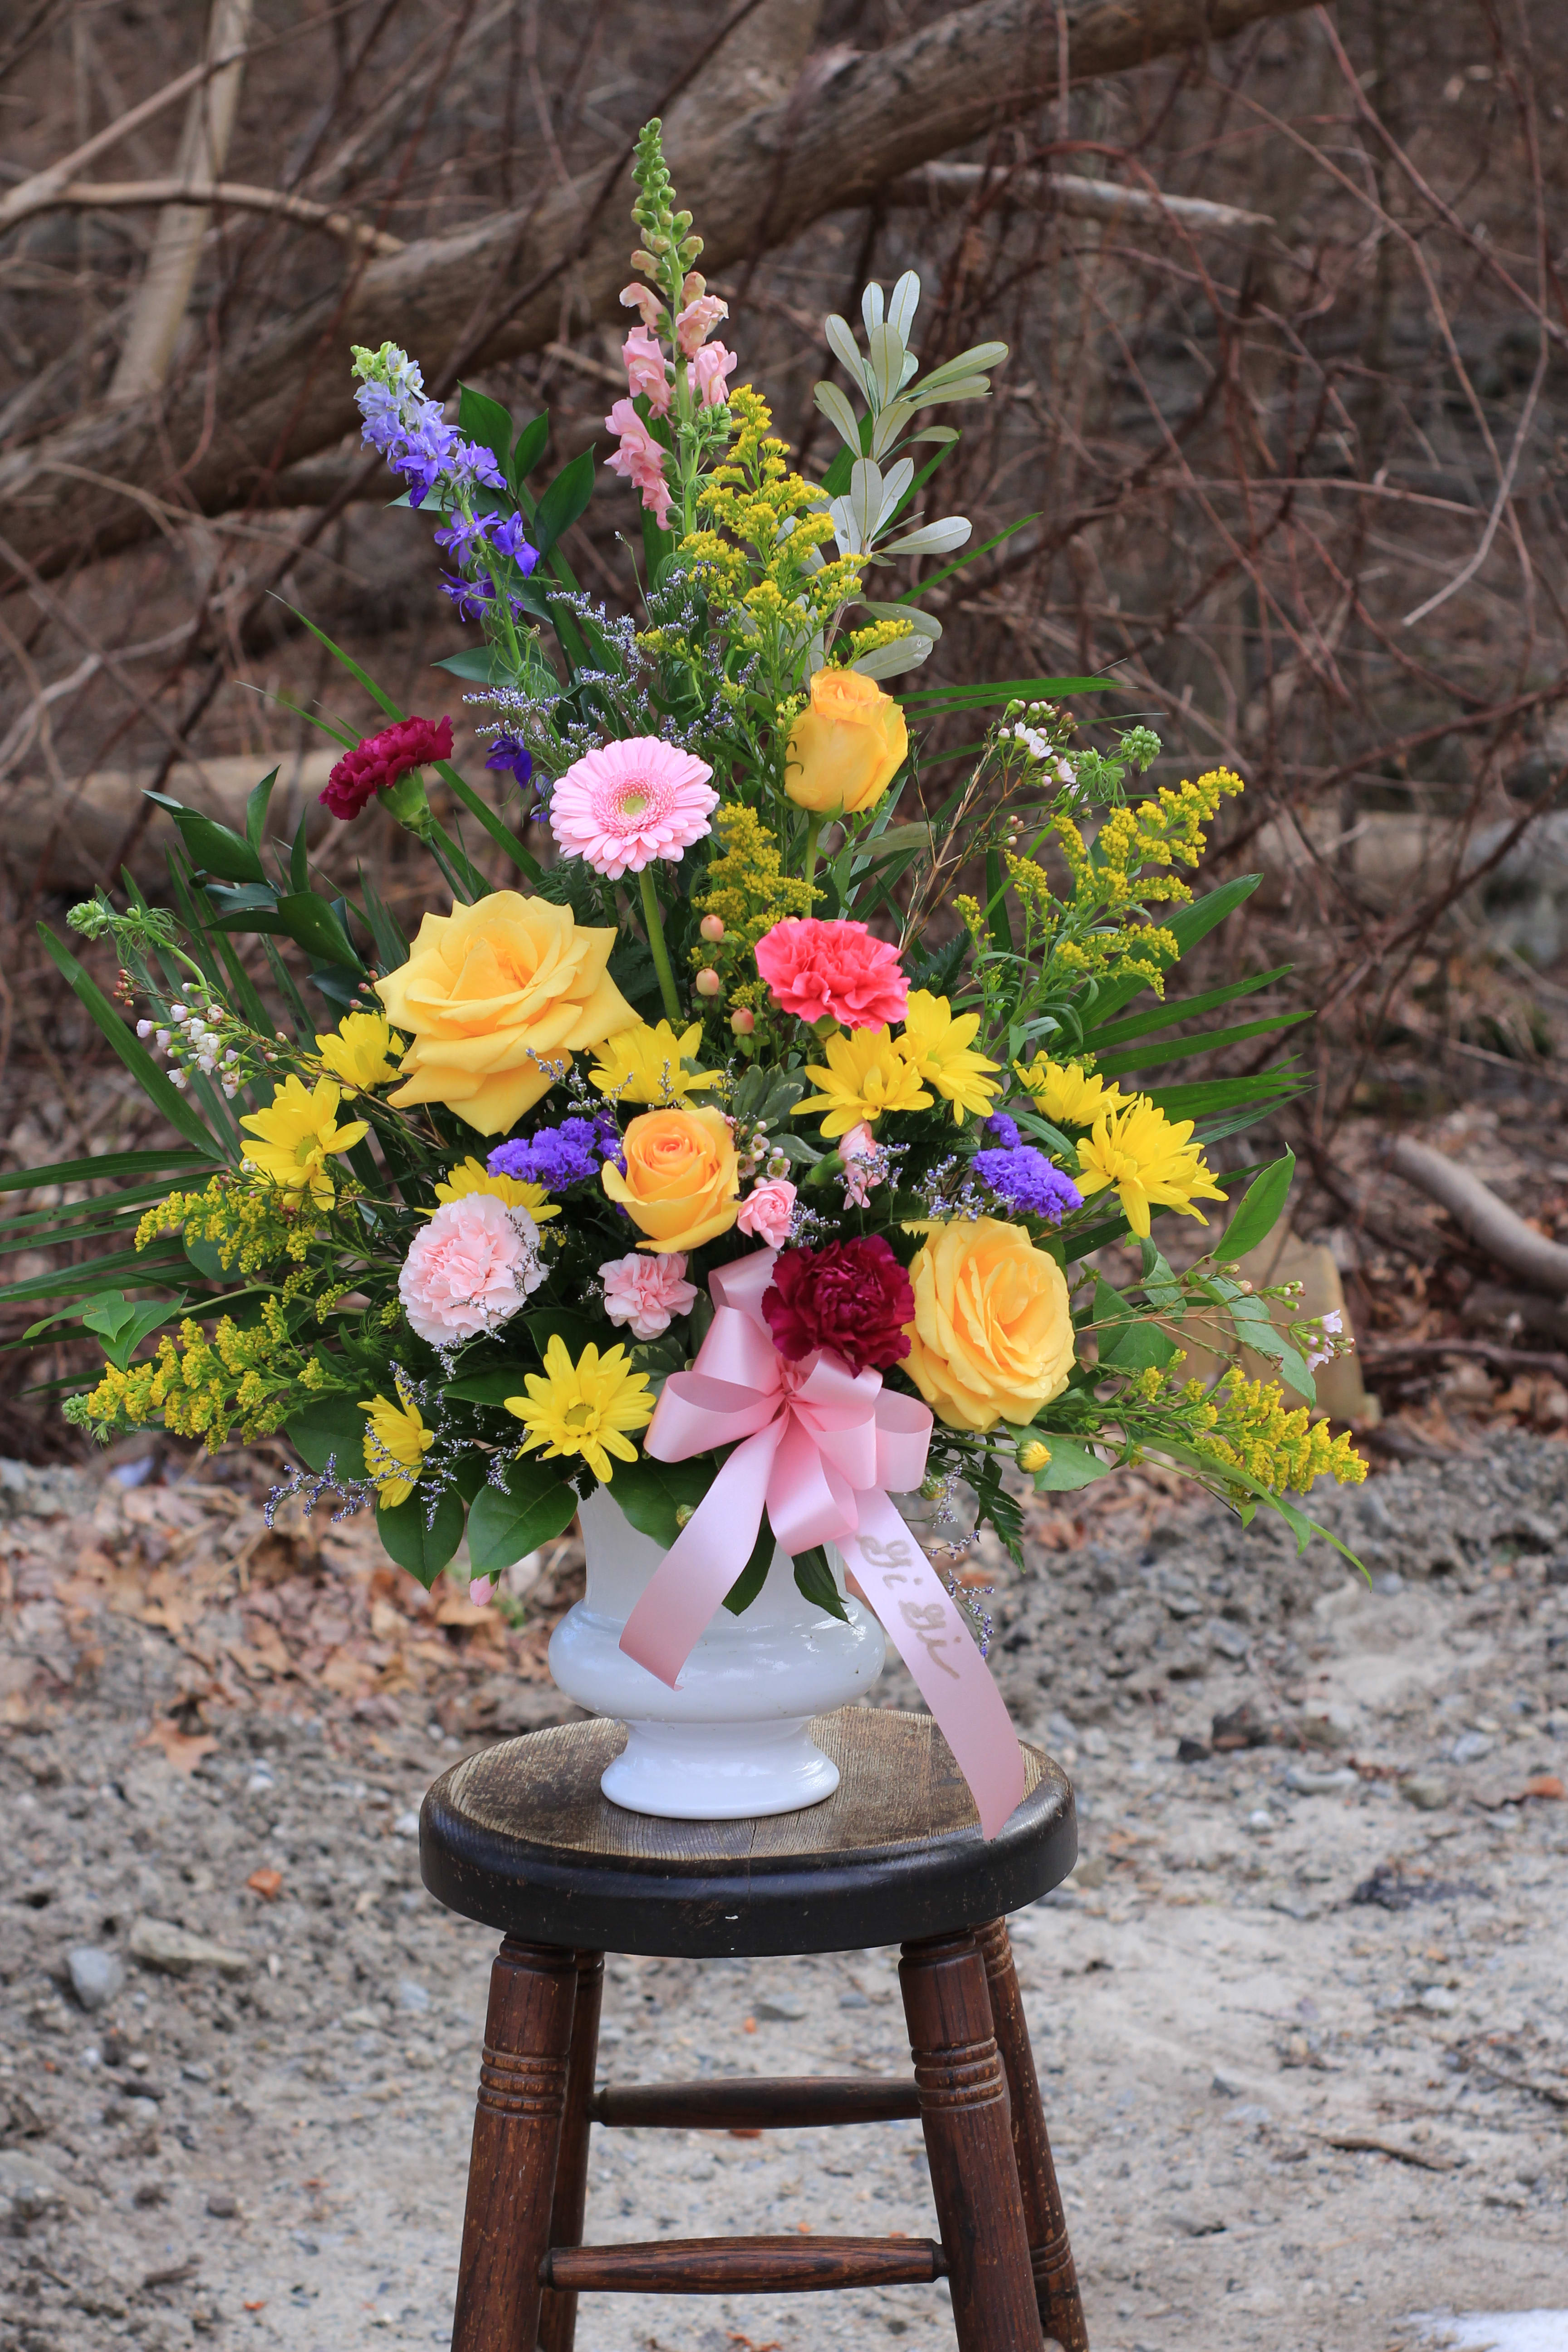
846 747
1033 1456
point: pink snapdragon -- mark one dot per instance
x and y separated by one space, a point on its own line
709 374
645 302
696 324
470 1269
640 459
644 368
767 1211
647 1293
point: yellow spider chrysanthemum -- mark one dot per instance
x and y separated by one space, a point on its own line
362 1051
644 1065
296 1135
584 1408
1066 1094
396 1444
866 1075
940 1049
1151 1162
473 1176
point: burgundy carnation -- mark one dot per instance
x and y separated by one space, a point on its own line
852 1296
381 759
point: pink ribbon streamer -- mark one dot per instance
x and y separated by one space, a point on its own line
816 1446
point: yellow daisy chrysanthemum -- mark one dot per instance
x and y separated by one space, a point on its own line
472 1176
584 1408
1066 1094
296 1135
866 1075
396 1444
940 1048
362 1051
1151 1162
646 1065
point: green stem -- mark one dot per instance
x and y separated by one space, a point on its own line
813 828
654 926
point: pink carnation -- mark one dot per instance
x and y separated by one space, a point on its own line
832 972
648 1292
643 300
382 759
630 802
768 1210
471 1268
640 459
645 369
697 322
709 374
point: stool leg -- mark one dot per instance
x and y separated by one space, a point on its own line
558 2322
1055 2280
964 2111
517 2139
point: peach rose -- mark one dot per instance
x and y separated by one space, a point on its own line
496 998
992 1338
846 747
681 1178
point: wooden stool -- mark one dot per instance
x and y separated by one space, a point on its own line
521 1837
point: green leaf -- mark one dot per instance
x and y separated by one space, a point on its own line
1179 1049
215 848
651 1493
1173 1010
1187 925
172 1161
814 1578
1127 1342
310 922
331 1429
563 501
122 1326
423 1550
480 665
507 1522
755 1575
575 1330
530 449
257 803
482 419
1071 1466
996 903
492 1388
153 1081
1259 1209
1008 690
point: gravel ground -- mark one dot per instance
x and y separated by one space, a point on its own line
1299 2015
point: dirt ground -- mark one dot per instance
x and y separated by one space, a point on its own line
1299 2015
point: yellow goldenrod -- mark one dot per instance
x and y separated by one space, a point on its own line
866 1075
1149 1161
1283 1451
249 1230
585 1408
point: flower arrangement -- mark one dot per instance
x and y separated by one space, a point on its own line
470 1239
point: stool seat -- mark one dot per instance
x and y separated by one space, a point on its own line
521 1837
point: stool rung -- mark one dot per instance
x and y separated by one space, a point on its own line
742 2265
755 2102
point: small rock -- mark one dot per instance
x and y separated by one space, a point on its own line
781 2009
405 1825
1424 1791
1240 1727
1326 1726
159 1944
1440 2001
96 1975
1199 2225
412 1996
1229 1639
1184 1604
1471 1746
1261 1820
1191 1751
1230 2086
1095 1742
853 2001
1305 1783
222 2205
1090 1870
196 2071
1389 1583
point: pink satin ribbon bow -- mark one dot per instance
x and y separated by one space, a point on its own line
817 1446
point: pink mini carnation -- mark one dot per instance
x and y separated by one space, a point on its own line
646 1292
640 459
645 369
768 1210
832 971
697 322
630 802
709 374
471 1268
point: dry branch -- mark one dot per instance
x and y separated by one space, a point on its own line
1063 192
234 195
757 184
1489 1222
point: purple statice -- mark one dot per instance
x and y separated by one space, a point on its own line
508 539
557 1157
1026 1180
1002 1130
509 755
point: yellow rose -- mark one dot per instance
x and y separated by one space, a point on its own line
496 998
682 1178
845 750
992 1338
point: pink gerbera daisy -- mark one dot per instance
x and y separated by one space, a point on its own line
630 802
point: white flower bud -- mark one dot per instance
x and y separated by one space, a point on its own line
161 1041
143 1028
177 1012
178 1078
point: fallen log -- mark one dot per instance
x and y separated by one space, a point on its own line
1490 1223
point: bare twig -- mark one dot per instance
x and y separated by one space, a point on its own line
1489 1222
234 195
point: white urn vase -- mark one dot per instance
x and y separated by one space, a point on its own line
731 1739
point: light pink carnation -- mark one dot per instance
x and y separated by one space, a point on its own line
832 971
643 300
630 802
640 459
697 322
472 1267
646 1292
767 1211
645 369
709 374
